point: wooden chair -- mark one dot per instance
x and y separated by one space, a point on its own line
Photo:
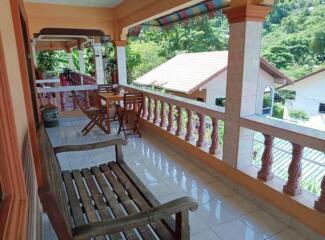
131 109
108 200
107 88
95 115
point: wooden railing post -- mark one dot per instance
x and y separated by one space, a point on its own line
292 186
214 136
163 115
189 125
144 107
156 111
201 139
179 128
265 173
170 118
320 203
149 109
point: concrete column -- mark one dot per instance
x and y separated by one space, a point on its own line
241 92
82 67
100 74
121 61
70 60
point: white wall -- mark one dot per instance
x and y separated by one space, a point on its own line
310 93
216 88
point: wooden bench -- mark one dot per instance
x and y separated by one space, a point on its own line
107 200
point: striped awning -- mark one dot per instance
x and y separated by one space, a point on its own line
208 7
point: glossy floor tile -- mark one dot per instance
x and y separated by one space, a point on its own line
222 213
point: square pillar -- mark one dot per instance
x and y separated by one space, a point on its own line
121 61
82 67
70 60
246 23
100 73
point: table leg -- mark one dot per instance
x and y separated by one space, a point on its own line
108 124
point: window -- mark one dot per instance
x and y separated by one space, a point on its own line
220 102
322 107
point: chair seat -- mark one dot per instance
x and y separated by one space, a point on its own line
112 195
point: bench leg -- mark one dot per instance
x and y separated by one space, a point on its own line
182 226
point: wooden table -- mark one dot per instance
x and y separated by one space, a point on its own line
110 97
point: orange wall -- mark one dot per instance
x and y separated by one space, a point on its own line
52 15
110 20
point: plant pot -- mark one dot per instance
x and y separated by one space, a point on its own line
50 117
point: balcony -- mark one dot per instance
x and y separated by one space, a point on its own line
187 160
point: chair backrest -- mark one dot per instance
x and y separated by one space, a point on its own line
51 192
80 106
133 102
105 88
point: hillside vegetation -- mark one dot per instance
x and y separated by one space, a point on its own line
293 39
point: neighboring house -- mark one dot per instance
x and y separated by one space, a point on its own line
203 76
310 98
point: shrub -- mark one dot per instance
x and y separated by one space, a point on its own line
278 110
299 115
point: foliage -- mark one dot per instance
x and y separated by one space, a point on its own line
298 115
278 110
143 57
155 46
41 68
52 60
294 36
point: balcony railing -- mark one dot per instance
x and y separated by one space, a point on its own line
167 112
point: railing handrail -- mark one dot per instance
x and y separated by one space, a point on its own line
66 88
196 106
304 136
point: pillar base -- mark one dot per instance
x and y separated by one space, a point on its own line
265 177
292 191
320 205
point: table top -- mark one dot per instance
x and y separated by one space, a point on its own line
111 96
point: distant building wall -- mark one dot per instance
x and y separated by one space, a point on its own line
216 88
310 93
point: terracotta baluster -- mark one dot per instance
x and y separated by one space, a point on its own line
74 104
163 115
170 118
214 136
62 101
201 139
156 112
189 125
292 186
179 128
144 107
320 203
149 109
265 173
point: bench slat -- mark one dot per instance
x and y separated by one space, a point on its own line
77 213
85 199
99 201
125 200
160 228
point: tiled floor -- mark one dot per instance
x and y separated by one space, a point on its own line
222 213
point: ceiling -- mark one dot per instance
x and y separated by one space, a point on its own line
86 3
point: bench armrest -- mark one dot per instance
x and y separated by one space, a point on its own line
116 140
180 205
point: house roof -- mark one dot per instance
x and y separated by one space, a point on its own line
188 72
306 77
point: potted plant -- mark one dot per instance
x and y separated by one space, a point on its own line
50 115
41 71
